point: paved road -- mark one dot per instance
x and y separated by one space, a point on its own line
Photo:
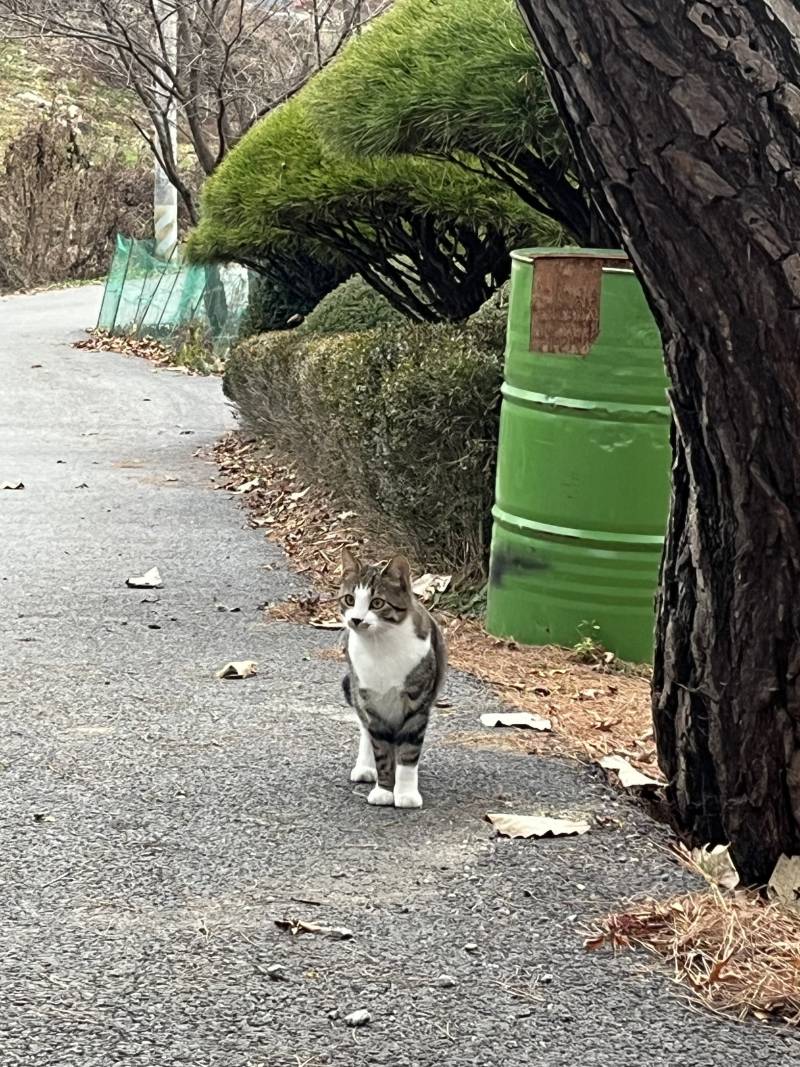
155 821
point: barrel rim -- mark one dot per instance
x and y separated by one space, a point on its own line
528 255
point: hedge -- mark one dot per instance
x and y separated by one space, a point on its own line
351 306
444 79
399 422
432 237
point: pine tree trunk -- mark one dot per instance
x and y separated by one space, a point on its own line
686 122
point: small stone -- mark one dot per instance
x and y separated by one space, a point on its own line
545 978
358 1018
446 981
470 947
276 972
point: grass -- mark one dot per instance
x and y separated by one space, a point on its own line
37 68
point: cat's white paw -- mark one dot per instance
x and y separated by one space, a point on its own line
362 773
407 798
382 797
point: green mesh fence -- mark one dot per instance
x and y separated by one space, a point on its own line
150 297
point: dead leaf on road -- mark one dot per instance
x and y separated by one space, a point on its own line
716 865
516 718
535 825
224 607
327 624
149 580
297 926
784 885
241 668
247 487
12 485
629 777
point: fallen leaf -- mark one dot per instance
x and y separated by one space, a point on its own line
247 487
224 607
428 584
716 865
629 777
149 580
242 668
358 1018
300 495
297 926
784 885
327 624
606 724
590 694
12 485
35 366
83 485
592 943
535 825
516 718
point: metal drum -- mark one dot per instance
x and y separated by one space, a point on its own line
583 462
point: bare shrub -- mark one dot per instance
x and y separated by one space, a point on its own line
59 210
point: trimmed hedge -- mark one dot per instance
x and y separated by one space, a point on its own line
447 78
399 422
433 237
351 306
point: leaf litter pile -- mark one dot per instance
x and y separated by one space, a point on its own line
596 706
738 952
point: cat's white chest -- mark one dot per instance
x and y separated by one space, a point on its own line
383 662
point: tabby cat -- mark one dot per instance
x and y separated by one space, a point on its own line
396 660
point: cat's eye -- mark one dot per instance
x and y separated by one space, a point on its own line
377 603
349 599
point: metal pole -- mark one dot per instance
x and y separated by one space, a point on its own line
165 195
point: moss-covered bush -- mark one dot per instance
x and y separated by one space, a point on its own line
399 422
351 306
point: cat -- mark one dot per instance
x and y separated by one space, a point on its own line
397 661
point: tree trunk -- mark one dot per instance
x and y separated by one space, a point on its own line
686 121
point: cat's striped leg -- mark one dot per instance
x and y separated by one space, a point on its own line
364 770
383 793
406 787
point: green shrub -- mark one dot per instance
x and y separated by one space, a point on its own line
448 79
351 306
399 422
432 237
272 304
495 310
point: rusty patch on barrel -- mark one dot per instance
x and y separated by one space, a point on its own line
565 303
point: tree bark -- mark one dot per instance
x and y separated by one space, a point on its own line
685 117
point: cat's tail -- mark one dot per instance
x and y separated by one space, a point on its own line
348 696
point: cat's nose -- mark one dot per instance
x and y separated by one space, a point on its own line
355 623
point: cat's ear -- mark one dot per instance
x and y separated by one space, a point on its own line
398 569
350 563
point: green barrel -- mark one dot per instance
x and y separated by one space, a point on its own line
584 457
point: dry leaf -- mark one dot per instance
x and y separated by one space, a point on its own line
590 694
428 584
241 668
784 885
297 926
535 825
247 487
516 718
327 624
12 485
629 777
149 580
716 865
